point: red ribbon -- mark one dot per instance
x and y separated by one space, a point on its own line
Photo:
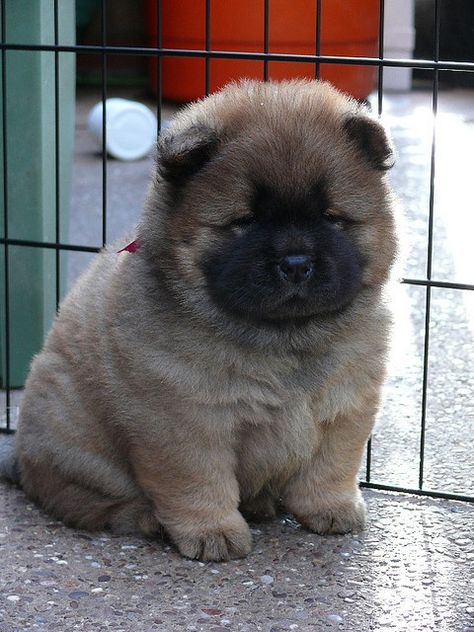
133 246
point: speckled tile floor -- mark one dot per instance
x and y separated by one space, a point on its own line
411 570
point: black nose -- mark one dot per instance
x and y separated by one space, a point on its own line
295 268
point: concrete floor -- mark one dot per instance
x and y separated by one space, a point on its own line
413 568
410 571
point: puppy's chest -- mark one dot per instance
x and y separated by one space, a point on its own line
256 393
275 438
270 453
299 397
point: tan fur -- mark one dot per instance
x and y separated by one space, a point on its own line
149 408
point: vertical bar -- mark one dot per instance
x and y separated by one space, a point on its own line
381 56
56 154
104 125
266 16
318 37
429 257
368 461
208 43
5 222
159 94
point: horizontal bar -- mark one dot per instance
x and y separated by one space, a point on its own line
445 284
417 492
79 248
8 431
259 56
50 245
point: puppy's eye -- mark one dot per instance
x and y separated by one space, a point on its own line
239 223
337 219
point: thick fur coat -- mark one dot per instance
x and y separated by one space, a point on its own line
235 359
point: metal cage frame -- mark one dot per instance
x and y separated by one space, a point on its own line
380 62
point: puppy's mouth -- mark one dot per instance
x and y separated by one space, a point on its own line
298 306
289 307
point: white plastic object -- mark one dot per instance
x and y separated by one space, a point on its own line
131 128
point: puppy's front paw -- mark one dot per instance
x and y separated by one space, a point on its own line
229 539
345 517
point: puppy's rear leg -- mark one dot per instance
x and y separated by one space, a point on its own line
84 507
261 507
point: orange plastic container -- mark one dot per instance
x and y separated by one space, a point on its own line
348 28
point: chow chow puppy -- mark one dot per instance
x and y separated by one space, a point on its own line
232 356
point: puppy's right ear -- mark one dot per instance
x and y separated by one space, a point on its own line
371 140
183 153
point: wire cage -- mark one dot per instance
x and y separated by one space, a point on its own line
428 284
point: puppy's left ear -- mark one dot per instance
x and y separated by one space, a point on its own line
371 141
183 153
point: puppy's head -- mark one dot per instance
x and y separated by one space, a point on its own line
270 206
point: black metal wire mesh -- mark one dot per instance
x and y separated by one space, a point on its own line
435 64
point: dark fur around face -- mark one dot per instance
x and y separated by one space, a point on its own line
244 272
260 176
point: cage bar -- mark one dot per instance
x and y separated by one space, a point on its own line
429 260
6 351
104 119
207 46
103 49
318 38
266 27
159 65
57 191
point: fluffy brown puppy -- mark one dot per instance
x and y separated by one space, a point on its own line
236 357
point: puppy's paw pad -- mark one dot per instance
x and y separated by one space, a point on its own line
345 518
